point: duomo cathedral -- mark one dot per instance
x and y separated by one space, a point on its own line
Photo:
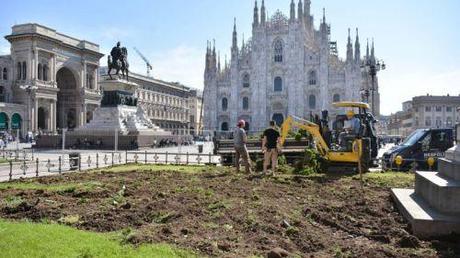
288 67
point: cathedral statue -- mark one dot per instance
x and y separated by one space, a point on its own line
118 60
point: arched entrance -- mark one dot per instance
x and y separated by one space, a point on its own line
4 121
68 99
42 118
278 118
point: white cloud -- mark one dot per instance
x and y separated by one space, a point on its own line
396 90
4 49
182 64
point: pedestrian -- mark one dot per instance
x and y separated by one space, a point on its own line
241 151
271 139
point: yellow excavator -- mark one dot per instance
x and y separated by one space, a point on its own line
357 151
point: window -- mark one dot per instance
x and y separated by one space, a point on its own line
278 49
449 121
5 74
312 78
438 109
428 121
39 71
416 121
224 127
416 109
45 73
439 140
2 94
245 103
427 109
19 71
336 98
449 109
246 81
312 101
438 121
224 104
24 70
278 84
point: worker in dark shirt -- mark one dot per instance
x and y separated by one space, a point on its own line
271 138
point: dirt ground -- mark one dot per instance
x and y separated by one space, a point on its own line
217 213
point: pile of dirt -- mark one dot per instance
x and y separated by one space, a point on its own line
224 214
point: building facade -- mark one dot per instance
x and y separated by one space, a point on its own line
287 67
425 112
196 112
166 104
49 81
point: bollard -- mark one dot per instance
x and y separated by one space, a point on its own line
198 159
97 160
399 160
112 158
186 161
126 157
32 154
145 157
48 165
431 162
11 170
24 167
79 162
36 167
210 158
59 167
166 158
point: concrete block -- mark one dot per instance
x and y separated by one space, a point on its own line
425 221
453 153
441 193
449 168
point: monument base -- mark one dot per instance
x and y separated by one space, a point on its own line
433 208
119 119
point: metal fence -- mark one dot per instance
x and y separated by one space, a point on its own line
22 164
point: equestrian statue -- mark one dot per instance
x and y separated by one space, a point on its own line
118 60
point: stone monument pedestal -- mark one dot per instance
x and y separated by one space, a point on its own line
117 121
433 208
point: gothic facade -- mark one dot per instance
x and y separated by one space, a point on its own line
287 67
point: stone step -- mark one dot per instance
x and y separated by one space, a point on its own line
441 192
424 220
449 168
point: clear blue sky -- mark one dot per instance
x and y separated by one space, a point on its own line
418 39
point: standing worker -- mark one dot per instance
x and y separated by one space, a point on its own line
241 152
270 147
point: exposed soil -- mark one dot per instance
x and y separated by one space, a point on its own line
227 215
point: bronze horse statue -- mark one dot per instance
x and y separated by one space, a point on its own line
118 60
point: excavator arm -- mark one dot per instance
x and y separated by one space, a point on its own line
308 126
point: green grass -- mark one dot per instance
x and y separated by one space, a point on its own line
390 179
65 187
2 160
24 239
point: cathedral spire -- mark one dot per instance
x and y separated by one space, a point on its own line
373 51
324 15
235 37
349 47
367 50
306 11
262 13
218 62
292 17
207 56
255 23
242 43
357 48
300 11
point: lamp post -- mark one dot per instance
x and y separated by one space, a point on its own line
28 89
372 67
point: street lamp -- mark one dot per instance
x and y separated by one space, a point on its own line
28 89
372 66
